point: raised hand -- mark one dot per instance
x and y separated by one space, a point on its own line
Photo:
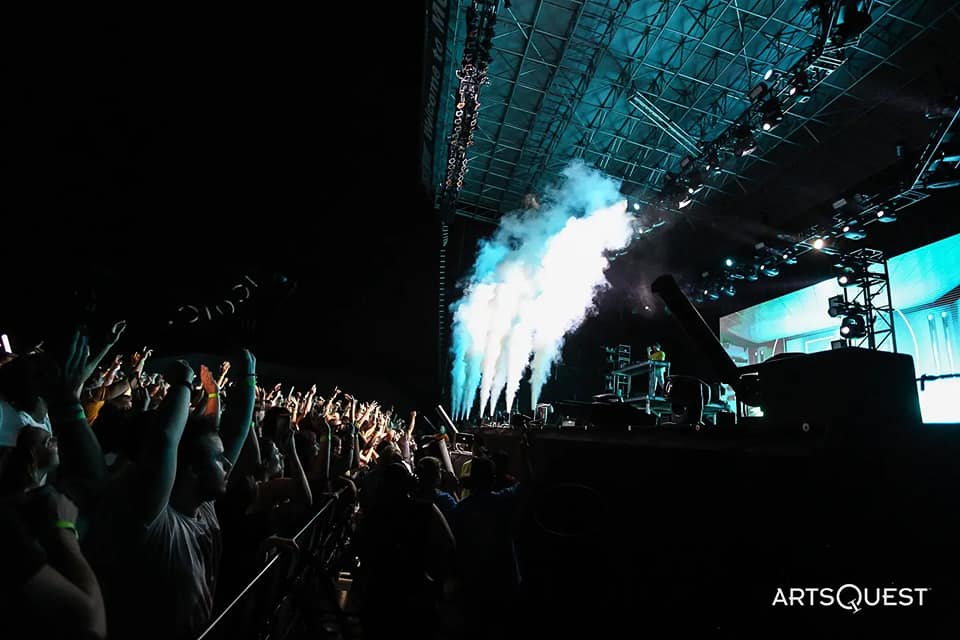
206 379
116 330
73 372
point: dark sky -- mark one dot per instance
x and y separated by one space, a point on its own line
155 167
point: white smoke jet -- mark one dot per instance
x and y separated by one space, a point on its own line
533 283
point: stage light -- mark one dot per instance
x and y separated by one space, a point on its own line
837 306
768 74
789 260
854 233
818 244
728 262
771 272
636 206
684 201
712 162
929 316
758 92
744 143
752 276
884 215
705 292
943 314
729 290
800 86
771 113
853 327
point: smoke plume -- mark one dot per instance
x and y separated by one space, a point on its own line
534 281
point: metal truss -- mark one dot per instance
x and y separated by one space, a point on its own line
871 300
566 78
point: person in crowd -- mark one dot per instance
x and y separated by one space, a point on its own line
429 478
157 524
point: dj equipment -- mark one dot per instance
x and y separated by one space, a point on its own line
865 391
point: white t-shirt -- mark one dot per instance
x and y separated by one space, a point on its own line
11 421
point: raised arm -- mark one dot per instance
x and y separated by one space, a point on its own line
210 386
96 359
158 463
82 470
239 414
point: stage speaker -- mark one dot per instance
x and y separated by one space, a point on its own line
859 389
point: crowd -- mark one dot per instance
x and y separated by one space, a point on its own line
135 503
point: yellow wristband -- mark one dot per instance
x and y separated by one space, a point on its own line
212 395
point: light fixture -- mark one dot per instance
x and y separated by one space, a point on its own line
712 162
758 92
771 272
636 206
768 74
818 244
885 215
729 290
837 305
728 262
854 233
800 87
772 114
853 326
744 142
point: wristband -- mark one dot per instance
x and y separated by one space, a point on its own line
251 379
66 524
211 396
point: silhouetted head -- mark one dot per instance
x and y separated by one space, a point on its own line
428 472
201 461
482 474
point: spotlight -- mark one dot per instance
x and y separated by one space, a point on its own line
763 267
744 143
771 272
713 295
800 86
884 215
854 233
790 260
752 276
729 290
636 206
853 327
684 201
849 277
712 163
837 306
818 244
772 114
728 262
768 74
757 92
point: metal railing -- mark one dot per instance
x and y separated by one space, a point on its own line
266 607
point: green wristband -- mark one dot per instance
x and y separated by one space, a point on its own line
66 524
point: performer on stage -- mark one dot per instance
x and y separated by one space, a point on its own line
658 368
